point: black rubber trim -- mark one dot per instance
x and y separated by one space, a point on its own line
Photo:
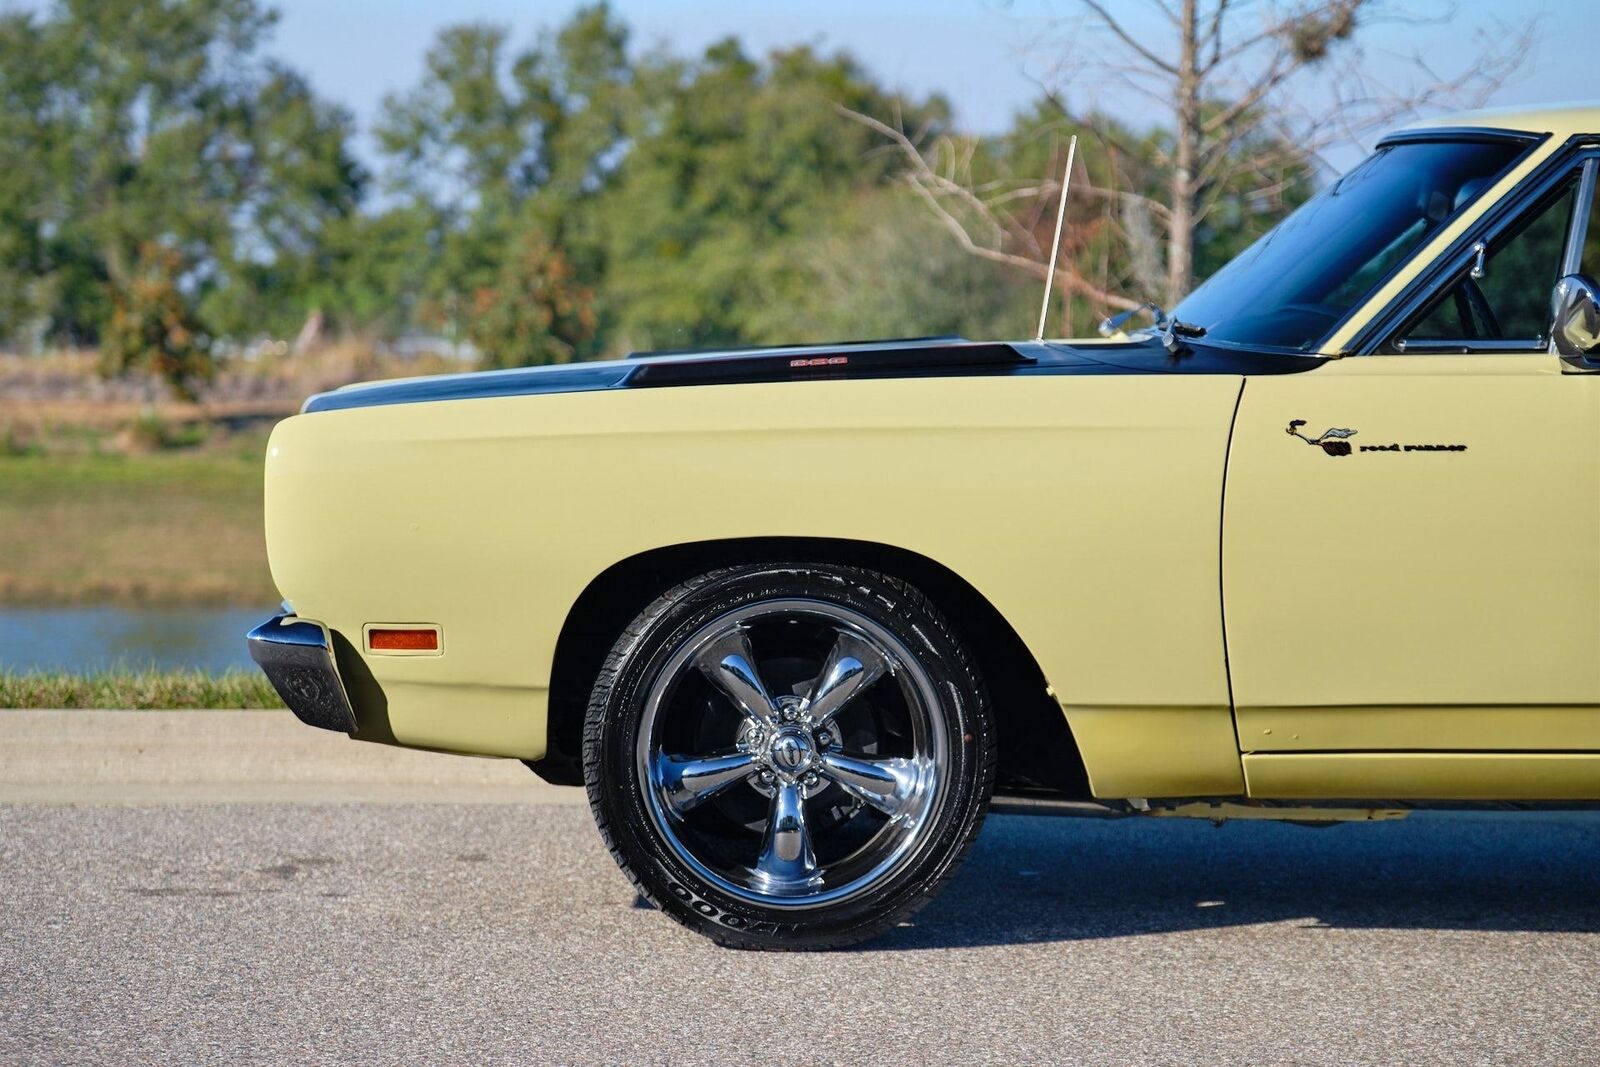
1478 134
841 362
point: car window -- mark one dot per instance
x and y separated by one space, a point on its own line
1511 301
1295 284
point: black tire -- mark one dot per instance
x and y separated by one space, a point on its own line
661 850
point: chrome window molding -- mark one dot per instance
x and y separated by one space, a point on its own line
1572 259
1466 347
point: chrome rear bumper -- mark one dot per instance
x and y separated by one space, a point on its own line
297 656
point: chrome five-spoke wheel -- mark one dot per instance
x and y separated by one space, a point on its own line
789 756
790 751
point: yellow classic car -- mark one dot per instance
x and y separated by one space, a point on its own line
1322 543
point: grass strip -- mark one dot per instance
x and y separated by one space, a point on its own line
166 528
136 690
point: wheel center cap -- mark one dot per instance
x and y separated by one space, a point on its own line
790 751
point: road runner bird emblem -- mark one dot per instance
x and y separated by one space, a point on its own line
1333 441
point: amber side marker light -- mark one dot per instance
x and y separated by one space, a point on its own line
403 639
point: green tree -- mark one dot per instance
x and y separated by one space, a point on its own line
877 266
502 151
298 186
732 162
688 197
154 123
536 312
152 327
379 268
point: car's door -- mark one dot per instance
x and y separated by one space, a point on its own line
1411 542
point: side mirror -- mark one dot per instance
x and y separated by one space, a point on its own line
1576 326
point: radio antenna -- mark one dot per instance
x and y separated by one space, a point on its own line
1055 247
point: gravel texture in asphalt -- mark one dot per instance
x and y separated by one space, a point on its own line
471 933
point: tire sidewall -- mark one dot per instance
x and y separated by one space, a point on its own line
620 797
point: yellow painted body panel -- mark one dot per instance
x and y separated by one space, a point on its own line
1371 597
1414 728
1424 776
1156 752
1086 509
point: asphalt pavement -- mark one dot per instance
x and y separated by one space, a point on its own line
335 921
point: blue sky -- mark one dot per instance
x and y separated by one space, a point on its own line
986 56
983 54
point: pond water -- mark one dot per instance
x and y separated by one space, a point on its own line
83 639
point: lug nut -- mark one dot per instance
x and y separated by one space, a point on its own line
788 715
824 738
768 776
810 779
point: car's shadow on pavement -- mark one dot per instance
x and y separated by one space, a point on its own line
1035 879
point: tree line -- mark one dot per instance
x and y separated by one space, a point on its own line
170 191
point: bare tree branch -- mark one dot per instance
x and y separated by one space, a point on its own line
1067 279
1127 38
938 185
1222 124
1257 96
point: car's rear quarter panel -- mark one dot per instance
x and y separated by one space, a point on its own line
1086 509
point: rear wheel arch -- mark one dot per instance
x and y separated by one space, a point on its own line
1037 749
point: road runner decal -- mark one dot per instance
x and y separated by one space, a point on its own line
1335 442
1332 440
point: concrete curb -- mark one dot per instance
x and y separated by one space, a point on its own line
137 757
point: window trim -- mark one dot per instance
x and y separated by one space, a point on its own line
1453 134
1466 347
1378 337
1582 216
